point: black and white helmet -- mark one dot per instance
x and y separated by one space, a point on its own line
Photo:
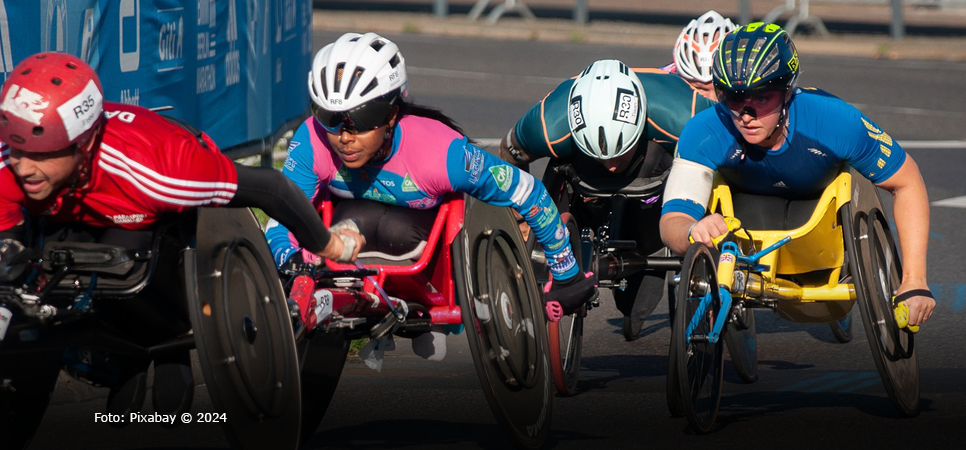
607 109
695 47
356 69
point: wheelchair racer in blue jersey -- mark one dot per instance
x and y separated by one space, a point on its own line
769 137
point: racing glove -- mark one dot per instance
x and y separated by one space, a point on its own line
562 297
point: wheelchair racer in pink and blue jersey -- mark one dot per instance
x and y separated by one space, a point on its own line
365 141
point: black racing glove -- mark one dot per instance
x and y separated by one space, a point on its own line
568 295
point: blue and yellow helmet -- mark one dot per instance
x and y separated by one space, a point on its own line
755 57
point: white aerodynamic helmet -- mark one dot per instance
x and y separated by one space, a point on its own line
355 70
696 45
607 109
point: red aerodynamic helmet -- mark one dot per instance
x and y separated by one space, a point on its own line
50 101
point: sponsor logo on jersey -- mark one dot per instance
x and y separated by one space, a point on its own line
818 152
291 163
374 194
473 163
388 183
409 185
128 218
560 233
503 176
423 203
563 262
627 107
548 215
343 175
25 104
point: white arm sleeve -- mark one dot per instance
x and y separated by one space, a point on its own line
689 181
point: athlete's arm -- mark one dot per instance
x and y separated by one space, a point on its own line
512 152
911 213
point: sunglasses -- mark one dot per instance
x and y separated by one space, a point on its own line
364 118
755 104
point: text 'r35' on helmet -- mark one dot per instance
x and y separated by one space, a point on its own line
607 109
694 49
49 102
756 57
356 69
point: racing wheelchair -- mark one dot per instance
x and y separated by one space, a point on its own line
98 310
593 209
809 265
472 271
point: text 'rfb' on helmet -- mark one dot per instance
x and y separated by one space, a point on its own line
608 109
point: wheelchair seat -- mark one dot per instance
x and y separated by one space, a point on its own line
815 256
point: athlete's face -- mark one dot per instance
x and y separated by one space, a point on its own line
356 148
756 116
618 164
44 174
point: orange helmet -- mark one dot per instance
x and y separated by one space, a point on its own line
50 101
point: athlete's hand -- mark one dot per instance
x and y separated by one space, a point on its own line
345 244
921 307
708 228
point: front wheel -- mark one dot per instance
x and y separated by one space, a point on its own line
878 273
742 341
566 336
699 363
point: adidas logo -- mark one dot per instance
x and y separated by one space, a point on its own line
780 184
816 151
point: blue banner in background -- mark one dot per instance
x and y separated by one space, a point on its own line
233 68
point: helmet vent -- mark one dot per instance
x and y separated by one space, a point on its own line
3 119
325 89
372 85
56 81
377 45
620 143
352 82
71 66
26 72
394 61
602 140
339 69
38 131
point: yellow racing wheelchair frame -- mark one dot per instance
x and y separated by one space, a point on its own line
813 273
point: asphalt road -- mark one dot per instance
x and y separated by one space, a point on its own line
813 392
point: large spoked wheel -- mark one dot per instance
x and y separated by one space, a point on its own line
878 271
503 316
566 336
699 363
742 342
243 331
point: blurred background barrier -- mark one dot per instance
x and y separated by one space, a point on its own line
235 69
893 17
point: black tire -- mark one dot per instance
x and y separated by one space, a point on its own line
505 324
878 272
700 365
842 329
566 336
32 379
322 358
674 400
243 331
742 341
